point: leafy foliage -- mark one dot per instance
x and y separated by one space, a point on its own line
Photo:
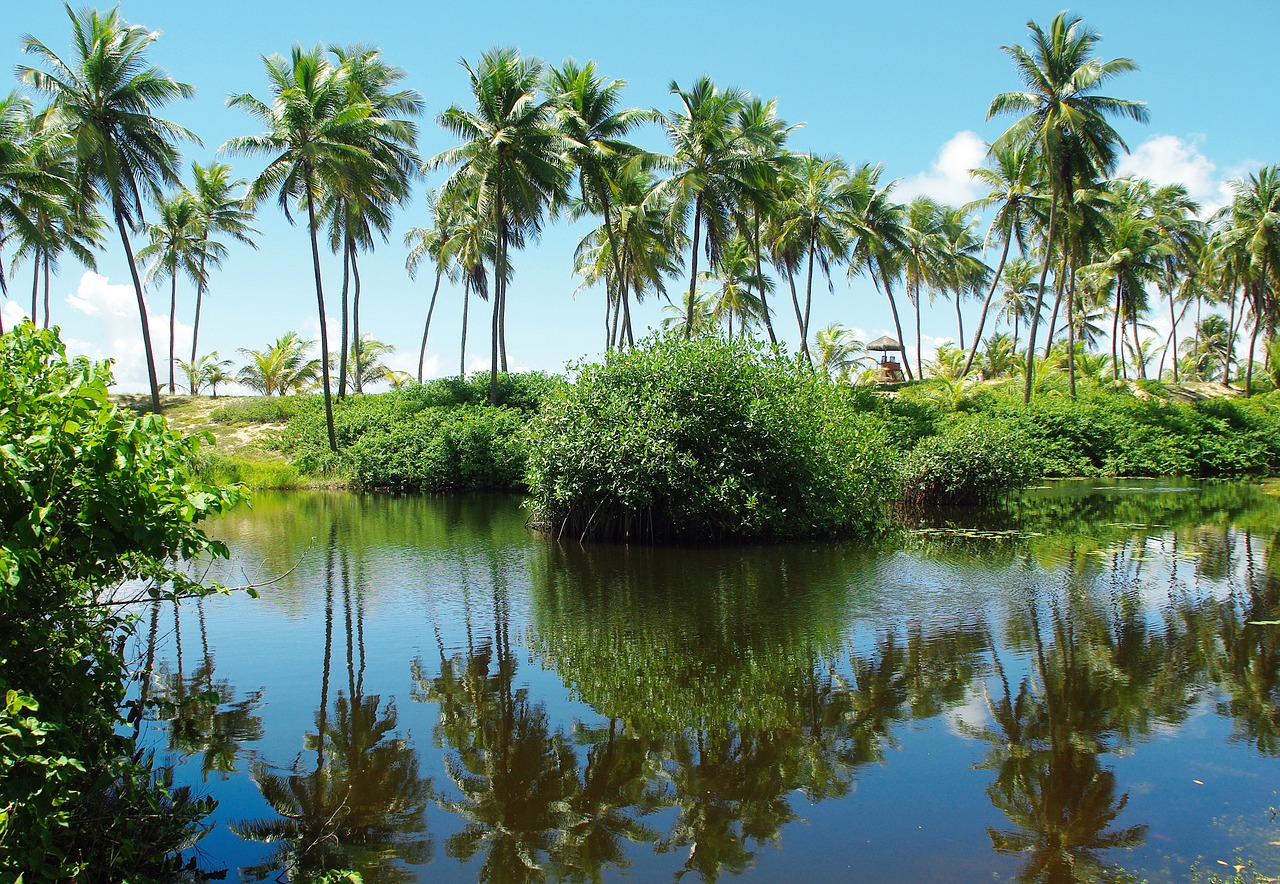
972 461
95 509
436 436
705 439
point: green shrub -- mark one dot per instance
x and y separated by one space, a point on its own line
702 440
466 448
401 440
92 500
259 410
974 461
218 468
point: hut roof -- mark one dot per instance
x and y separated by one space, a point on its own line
885 343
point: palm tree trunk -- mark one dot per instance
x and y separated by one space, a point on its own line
626 318
1173 338
357 379
462 357
693 266
1253 341
986 305
808 300
959 320
345 336
195 328
173 312
35 289
764 303
46 290
795 302
1139 365
324 326
1232 331
1115 337
919 338
142 308
1071 329
426 329
499 282
1035 316
1059 282
502 328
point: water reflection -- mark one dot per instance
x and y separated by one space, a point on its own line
361 804
596 712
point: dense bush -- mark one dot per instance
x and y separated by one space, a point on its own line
425 437
96 506
975 460
704 440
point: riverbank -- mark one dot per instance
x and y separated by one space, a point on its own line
443 436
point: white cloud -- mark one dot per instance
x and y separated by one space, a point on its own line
948 179
1168 159
116 308
12 313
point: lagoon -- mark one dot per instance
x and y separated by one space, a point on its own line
1067 686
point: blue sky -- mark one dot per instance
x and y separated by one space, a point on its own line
906 85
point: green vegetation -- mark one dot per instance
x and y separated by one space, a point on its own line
96 510
437 436
972 461
705 439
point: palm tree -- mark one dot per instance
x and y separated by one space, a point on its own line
1019 293
283 367
315 136
218 213
372 369
921 258
1251 244
838 352
1013 177
1132 257
878 237
734 297
207 370
177 247
714 163
108 95
432 243
963 272
818 214
361 200
1064 119
586 112
514 158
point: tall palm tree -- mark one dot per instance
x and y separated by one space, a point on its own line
315 136
963 272
57 216
921 257
513 157
878 236
361 201
1013 177
1251 244
586 112
432 243
177 247
768 187
219 214
108 95
734 297
1065 120
714 164
819 215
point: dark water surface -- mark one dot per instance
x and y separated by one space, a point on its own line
433 693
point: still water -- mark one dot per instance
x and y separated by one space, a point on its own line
426 690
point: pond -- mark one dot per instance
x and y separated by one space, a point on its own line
427 690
